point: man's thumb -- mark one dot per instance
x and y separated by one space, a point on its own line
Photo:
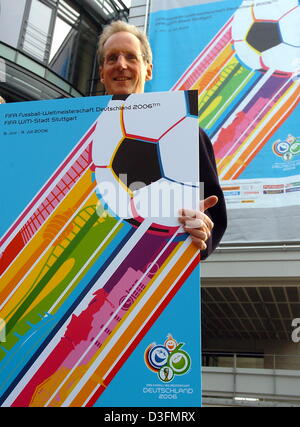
207 203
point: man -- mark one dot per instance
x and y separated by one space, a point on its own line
125 60
2 100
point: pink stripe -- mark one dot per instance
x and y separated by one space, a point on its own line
180 81
205 63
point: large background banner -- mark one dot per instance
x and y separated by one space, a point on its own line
243 57
95 272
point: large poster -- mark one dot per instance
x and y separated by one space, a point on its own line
243 57
96 272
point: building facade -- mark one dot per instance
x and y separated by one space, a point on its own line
48 47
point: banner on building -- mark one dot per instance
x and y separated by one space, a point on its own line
243 57
96 273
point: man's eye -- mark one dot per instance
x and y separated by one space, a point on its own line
112 58
131 57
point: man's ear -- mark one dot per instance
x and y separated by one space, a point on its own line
149 72
101 74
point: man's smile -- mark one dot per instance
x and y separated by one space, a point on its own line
122 79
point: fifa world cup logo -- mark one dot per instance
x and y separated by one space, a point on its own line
167 360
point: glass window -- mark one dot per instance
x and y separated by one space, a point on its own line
60 34
86 56
37 33
62 49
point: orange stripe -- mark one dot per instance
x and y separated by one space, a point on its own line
210 73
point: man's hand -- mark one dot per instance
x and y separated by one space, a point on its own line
197 223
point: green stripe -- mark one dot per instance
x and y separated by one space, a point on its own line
43 282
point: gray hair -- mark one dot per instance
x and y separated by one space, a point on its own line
118 26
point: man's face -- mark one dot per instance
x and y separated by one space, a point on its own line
124 70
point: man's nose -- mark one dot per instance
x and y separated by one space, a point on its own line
121 62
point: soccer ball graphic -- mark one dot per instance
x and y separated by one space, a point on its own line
266 36
144 167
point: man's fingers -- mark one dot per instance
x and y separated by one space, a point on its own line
207 203
199 243
189 213
199 234
194 223
197 223
197 220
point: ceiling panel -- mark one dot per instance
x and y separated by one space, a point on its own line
245 312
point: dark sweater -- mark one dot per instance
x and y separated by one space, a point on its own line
209 176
